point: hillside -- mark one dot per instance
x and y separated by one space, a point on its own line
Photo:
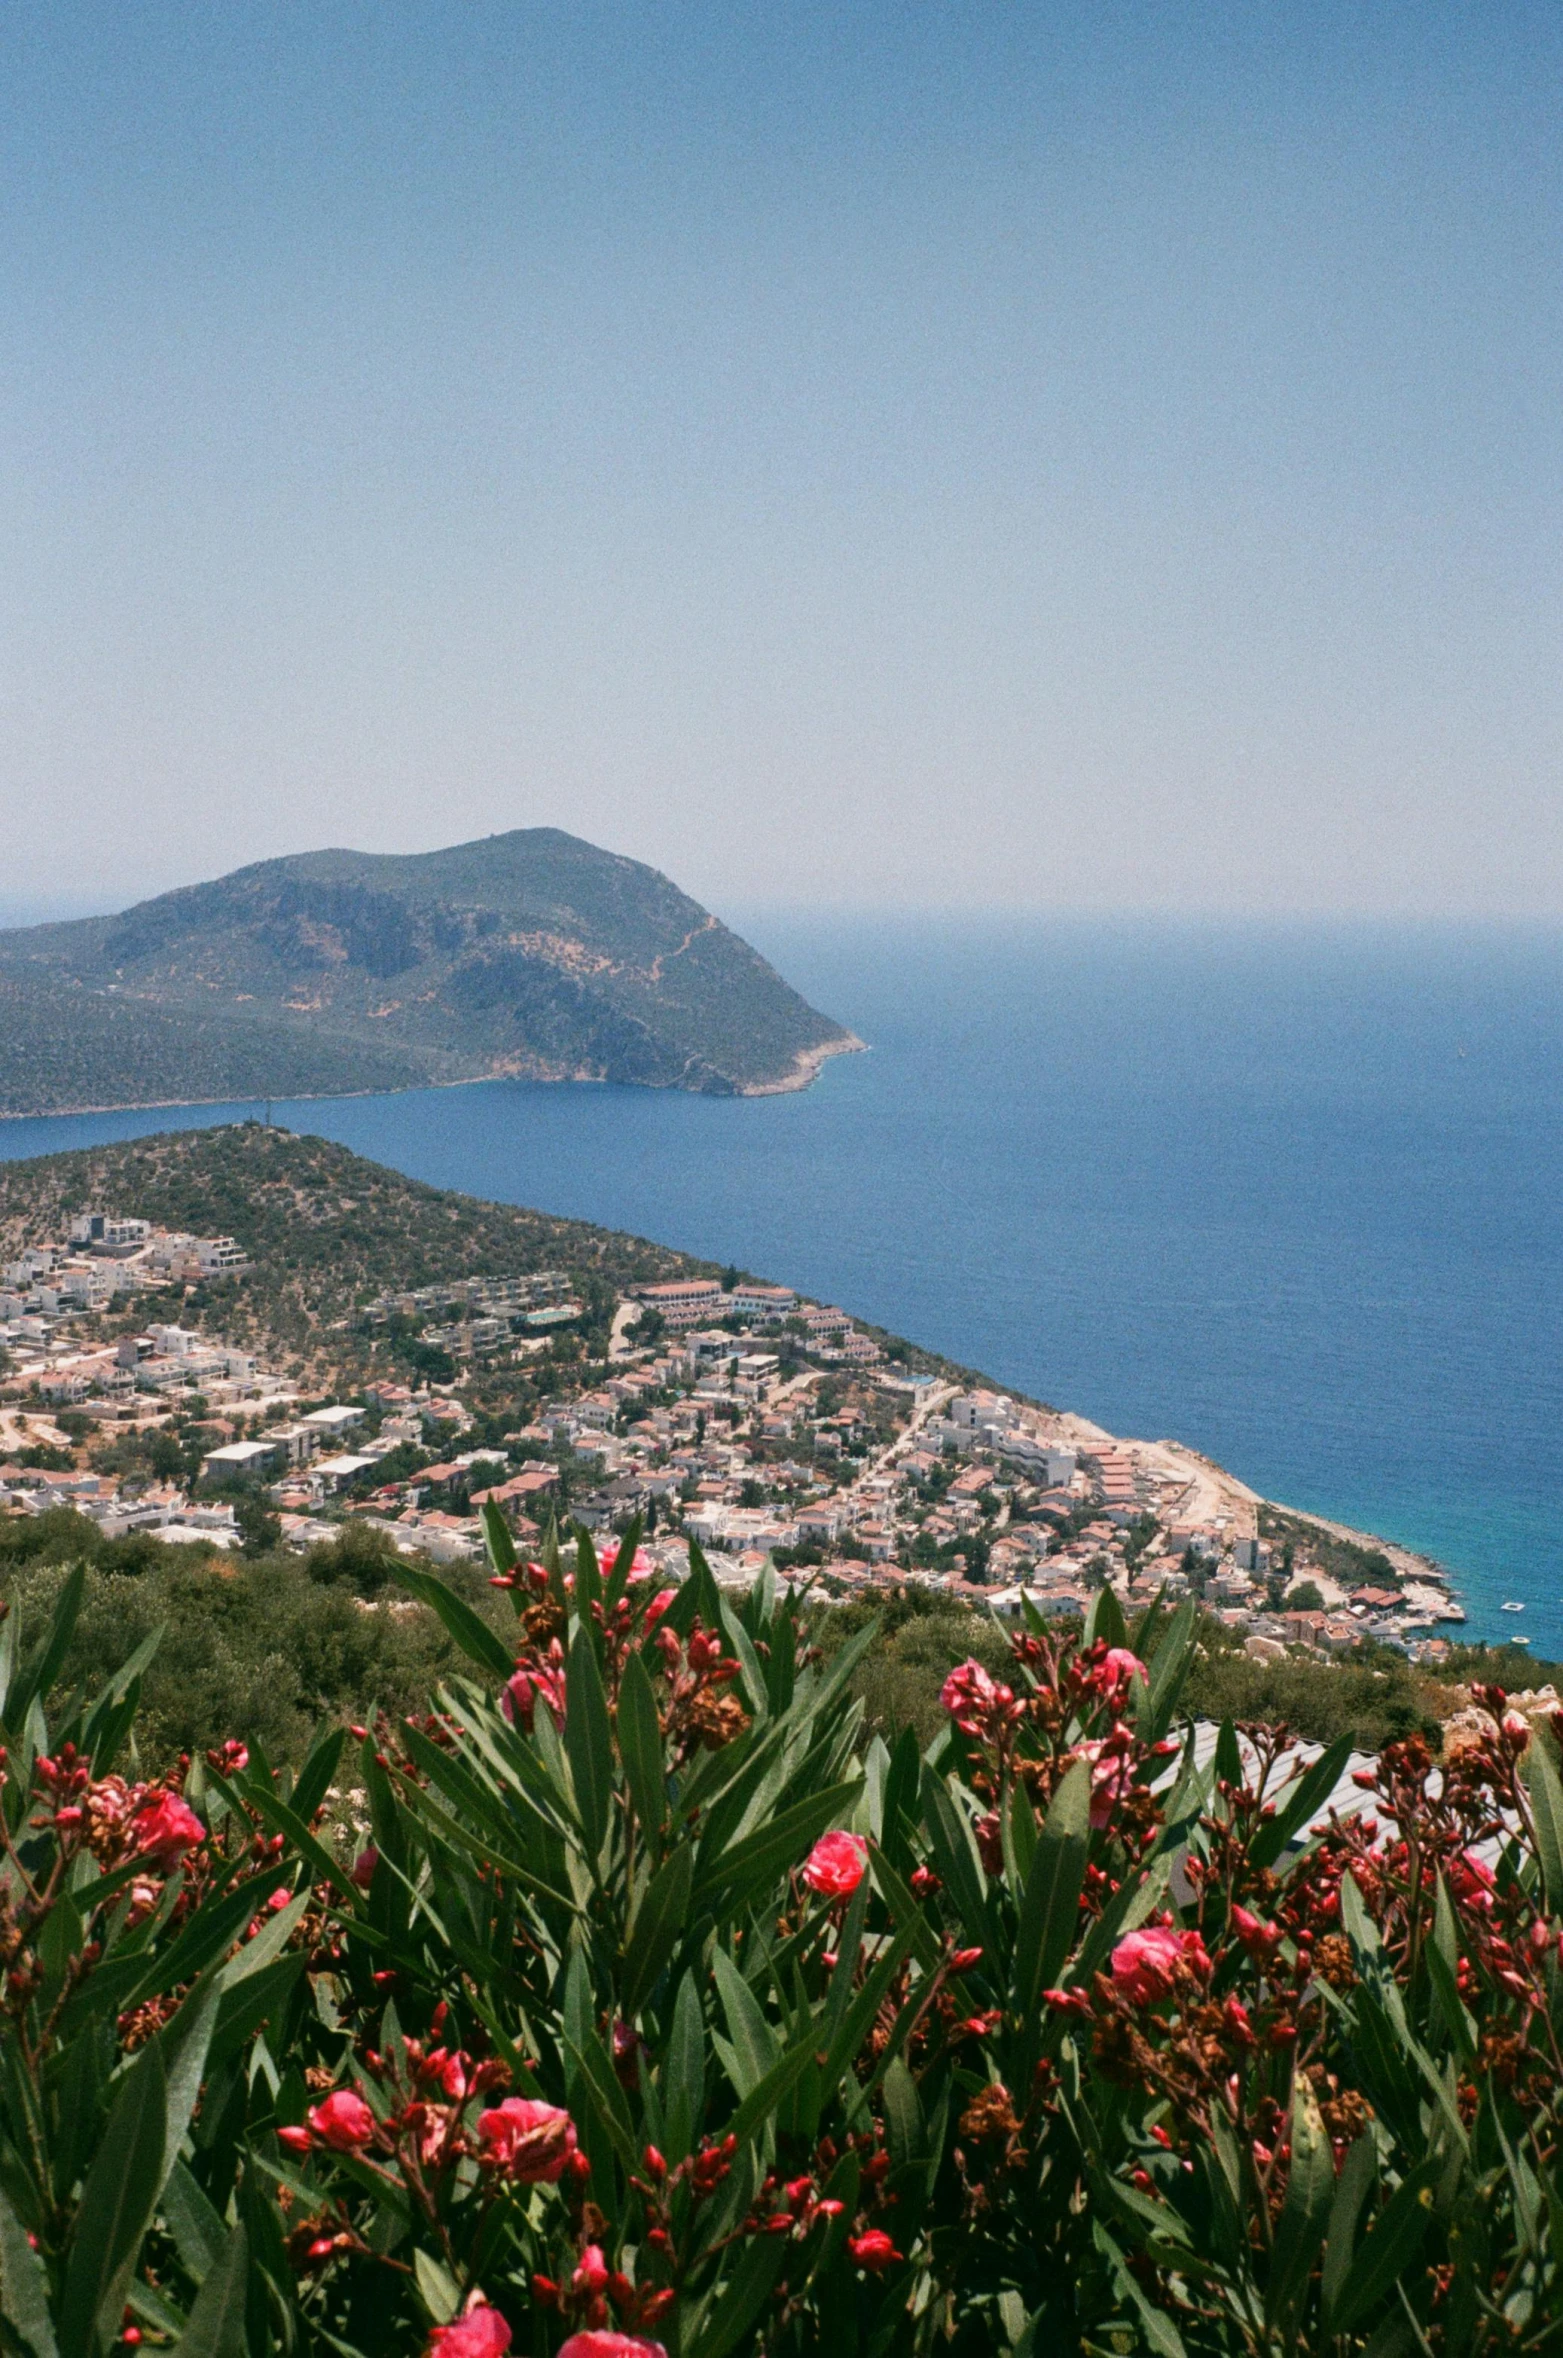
325 1230
531 955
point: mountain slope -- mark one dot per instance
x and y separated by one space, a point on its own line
530 954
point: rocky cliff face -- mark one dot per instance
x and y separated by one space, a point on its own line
530 954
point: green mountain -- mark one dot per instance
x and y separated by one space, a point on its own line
532 955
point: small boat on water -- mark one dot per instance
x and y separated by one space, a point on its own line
1513 1608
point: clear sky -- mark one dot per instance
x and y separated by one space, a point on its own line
1091 455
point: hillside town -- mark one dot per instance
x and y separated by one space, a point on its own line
761 1425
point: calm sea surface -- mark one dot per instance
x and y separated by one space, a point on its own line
1291 1195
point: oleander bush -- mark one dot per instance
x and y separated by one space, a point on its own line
632 1998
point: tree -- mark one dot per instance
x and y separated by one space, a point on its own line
259 1529
1305 1598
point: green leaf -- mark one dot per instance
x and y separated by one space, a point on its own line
1546 1807
260 1795
269 1942
496 1538
640 1747
742 2297
955 1855
116 2207
185 2043
1160 2334
587 1743
24 2286
1050 1908
1310 2189
764 2099
1442 1958
34 1682
658 1923
1229 1759
908 1916
198 2232
1021 1825
1105 1620
1311 1789
105 1709
1168 1668
209 1932
1390 2249
754 2042
10 1638
683 2072
776 1845
618 1579
440 2292
216 2323
473 1635
1359 2173
903 2113
314 1778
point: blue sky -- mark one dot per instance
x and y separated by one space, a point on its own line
1096 457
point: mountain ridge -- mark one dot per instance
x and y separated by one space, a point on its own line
529 955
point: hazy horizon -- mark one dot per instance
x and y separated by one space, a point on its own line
871 457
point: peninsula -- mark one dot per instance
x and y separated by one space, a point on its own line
528 955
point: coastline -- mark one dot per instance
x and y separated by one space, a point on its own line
806 1066
805 1069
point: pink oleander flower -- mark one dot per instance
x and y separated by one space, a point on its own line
872 2250
482 2333
523 1691
529 2140
1112 1775
971 1697
659 1605
604 2343
835 1866
363 1867
165 1826
1146 1964
344 2121
592 2273
1473 1881
1260 1940
1117 1669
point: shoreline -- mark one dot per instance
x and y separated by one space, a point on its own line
805 1069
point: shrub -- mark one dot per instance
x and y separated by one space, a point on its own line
660 2006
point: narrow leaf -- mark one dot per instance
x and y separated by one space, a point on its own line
1311 1789
658 1924
1050 1909
640 1747
587 1744
24 2287
216 2324
472 1634
116 2206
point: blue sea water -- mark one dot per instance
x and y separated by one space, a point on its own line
1287 1193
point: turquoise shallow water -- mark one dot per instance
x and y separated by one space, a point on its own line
1290 1194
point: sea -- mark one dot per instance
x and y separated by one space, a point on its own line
1287 1192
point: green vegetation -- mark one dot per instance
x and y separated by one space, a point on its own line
527 954
1374 1697
653 2005
1345 1560
271 1645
